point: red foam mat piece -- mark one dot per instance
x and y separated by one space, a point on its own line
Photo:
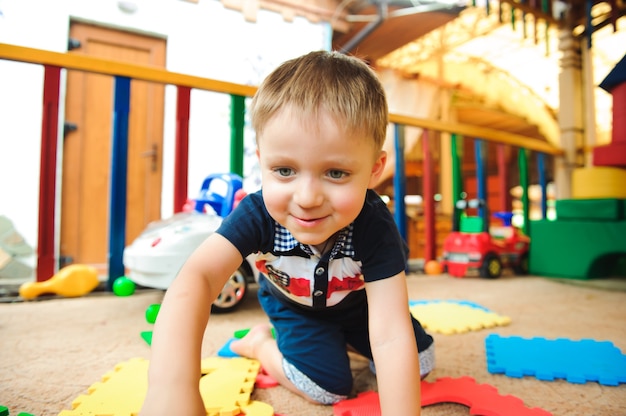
365 404
482 400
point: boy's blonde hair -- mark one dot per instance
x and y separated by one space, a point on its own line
344 86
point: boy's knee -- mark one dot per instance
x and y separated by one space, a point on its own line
340 390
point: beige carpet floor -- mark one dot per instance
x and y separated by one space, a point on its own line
52 350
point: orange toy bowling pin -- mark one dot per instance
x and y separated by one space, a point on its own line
71 281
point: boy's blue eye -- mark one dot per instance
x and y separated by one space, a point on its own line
337 174
284 171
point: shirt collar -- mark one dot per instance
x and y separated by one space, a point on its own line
284 241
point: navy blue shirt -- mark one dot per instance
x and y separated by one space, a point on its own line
369 249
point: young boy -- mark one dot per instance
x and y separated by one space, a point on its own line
331 257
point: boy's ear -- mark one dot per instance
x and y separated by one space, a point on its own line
377 169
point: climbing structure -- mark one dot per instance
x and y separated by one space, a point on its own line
587 238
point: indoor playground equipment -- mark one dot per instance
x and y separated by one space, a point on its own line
71 281
587 238
474 247
154 258
219 191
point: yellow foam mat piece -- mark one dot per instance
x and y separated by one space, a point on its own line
453 317
598 182
227 385
225 389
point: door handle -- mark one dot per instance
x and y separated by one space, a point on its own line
69 127
153 154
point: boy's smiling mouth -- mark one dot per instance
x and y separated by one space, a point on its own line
308 222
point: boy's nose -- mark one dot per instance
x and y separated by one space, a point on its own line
308 194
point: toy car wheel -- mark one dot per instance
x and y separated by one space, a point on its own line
522 266
491 267
233 292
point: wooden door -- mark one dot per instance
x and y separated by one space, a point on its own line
87 145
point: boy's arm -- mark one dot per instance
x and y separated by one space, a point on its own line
174 371
393 345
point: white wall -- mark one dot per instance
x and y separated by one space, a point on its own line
203 39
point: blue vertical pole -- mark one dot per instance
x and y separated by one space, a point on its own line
481 177
119 168
399 181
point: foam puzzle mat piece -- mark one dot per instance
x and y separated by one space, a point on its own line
482 399
455 301
575 361
147 336
119 393
451 316
365 404
264 380
227 383
240 333
4 411
225 389
226 352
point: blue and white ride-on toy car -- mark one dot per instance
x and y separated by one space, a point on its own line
156 256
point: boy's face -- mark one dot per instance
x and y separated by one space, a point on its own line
314 174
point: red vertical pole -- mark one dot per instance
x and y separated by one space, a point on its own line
181 162
47 173
504 203
429 201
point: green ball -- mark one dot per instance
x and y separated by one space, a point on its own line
152 312
123 286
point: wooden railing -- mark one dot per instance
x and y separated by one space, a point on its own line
123 72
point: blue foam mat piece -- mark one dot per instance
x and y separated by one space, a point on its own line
575 361
226 352
459 302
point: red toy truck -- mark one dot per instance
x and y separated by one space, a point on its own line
472 248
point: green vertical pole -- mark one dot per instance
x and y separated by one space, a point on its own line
457 179
237 110
523 178
545 7
512 18
457 175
